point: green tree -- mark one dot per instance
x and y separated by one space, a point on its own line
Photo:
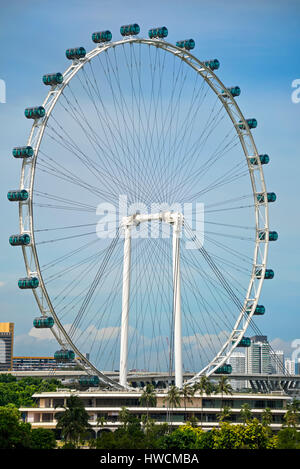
225 414
187 392
14 433
148 397
73 421
203 386
42 438
266 417
245 413
288 438
291 417
223 387
250 436
173 398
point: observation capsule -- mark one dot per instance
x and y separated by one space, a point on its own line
44 322
102 36
252 123
158 32
271 197
19 240
34 112
17 196
75 53
269 273
259 310
187 44
53 79
28 282
244 342
213 64
264 159
234 91
273 235
130 30
89 381
64 355
224 369
23 152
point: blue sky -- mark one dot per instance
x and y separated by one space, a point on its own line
257 44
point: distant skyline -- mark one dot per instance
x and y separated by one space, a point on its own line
257 44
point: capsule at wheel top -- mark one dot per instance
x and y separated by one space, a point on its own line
271 197
75 53
64 355
252 124
130 30
272 235
224 369
187 44
102 36
22 152
19 239
28 282
234 91
44 322
53 79
34 112
269 273
213 64
17 196
158 32
264 159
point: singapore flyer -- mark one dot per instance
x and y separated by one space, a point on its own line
139 130
150 186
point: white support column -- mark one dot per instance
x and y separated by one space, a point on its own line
177 302
125 307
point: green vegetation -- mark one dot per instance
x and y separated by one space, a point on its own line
19 392
15 434
73 422
141 432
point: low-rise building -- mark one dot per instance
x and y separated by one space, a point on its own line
206 409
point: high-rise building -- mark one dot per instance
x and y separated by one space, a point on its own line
290 366
258 360
297 367
277 362
6 345
238 362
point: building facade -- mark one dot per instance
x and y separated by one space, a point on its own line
106 405
40 363
277 362
258 358
6 345
238 362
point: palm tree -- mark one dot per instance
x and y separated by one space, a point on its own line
225 414
73 421
223 387
187 393
124 417
173 398
245 413
292 416
203 386
266 418
148 397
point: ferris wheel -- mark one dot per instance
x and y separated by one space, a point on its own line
143 210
